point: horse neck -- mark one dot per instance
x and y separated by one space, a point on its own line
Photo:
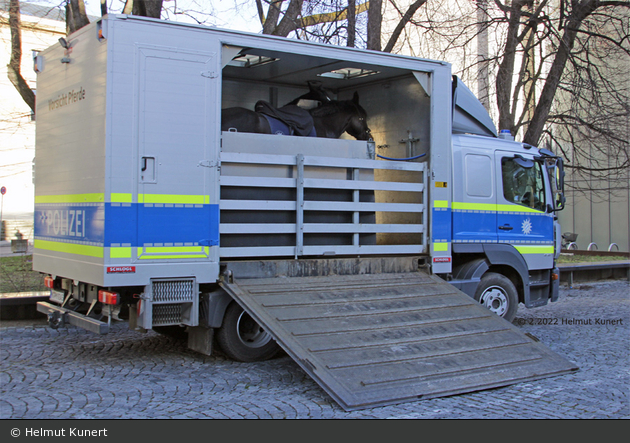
331 126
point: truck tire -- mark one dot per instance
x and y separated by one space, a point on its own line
242 339
497 293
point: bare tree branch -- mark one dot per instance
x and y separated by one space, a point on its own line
404 21
579 13
13 69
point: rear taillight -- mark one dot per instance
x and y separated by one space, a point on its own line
108 297
49 282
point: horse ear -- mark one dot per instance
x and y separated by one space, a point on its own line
355 98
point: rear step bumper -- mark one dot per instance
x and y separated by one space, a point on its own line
61 316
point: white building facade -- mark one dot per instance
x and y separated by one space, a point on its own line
41 28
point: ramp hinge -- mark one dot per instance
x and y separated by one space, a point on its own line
227 276
308 364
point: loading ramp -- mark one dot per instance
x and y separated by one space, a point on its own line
378 339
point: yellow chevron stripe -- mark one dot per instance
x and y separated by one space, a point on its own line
118 197
69 248
170 252
440 247
71 198
492 207
118 252
173 199
538 249
440 203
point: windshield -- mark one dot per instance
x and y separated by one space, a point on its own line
523 185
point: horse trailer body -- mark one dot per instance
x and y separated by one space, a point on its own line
145 211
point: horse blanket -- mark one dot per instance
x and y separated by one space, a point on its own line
287 120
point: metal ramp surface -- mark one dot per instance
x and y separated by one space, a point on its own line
373 340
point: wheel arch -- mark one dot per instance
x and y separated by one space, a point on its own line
215 302
477 259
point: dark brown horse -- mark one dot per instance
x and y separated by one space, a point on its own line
329 120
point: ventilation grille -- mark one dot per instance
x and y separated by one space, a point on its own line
177 291
167 314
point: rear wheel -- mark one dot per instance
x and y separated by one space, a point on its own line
497 293
242 339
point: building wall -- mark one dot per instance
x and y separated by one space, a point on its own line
17 128
600 214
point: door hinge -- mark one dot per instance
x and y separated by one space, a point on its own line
208 164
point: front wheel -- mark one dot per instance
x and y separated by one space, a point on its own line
242 339
497 293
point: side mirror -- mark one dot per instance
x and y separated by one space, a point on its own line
523 162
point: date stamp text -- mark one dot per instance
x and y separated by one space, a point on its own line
554 321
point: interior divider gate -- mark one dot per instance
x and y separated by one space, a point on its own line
297 175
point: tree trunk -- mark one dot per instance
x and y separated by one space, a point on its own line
273 14
143 8
483 87
13 69
375 19
290 20
76 17
506 68
352 22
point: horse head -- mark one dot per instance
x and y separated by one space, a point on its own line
357 123
315 96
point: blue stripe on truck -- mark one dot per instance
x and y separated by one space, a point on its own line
130 224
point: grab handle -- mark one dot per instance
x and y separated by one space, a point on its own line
148 172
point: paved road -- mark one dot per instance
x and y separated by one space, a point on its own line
73 374
5 249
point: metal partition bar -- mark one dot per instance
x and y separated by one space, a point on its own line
355 199
425 214
252 171
299 216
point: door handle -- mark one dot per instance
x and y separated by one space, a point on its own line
506 228
147 170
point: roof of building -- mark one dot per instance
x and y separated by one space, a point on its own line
37 10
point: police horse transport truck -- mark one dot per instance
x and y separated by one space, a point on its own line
388 261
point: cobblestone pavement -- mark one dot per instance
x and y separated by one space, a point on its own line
74 374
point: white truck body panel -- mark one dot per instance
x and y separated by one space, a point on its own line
149 168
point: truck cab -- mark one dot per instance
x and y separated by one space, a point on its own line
505 230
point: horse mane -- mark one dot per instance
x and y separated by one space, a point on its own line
333 107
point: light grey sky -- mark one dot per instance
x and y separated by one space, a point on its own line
231 14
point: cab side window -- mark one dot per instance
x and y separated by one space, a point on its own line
523 185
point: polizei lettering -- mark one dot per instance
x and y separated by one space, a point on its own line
67 222
65 99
